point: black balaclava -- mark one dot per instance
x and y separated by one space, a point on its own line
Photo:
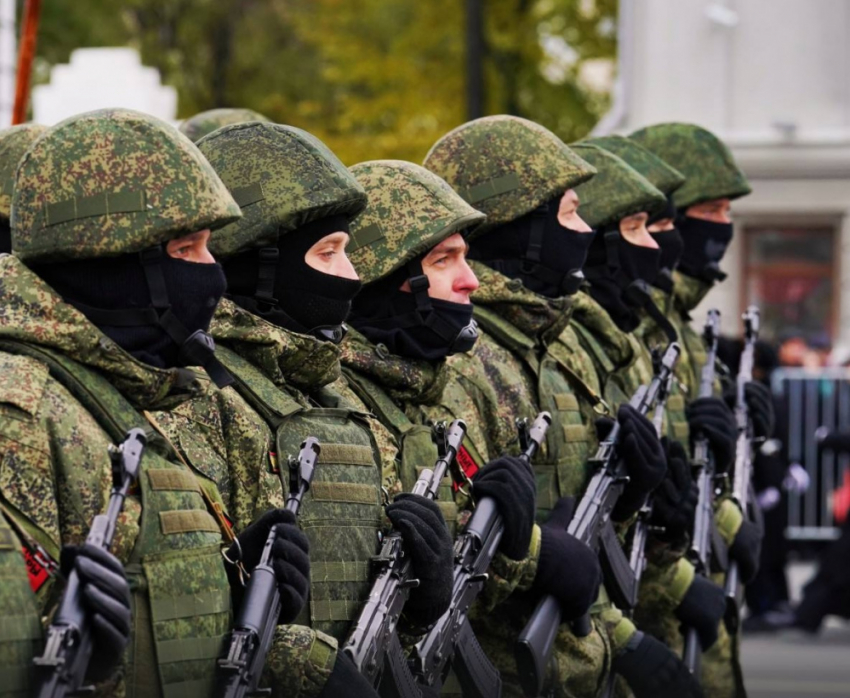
671 244
537 249
619 274
412 324
277 284
5 237
153 306
705 244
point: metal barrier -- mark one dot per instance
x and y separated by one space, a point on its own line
814 398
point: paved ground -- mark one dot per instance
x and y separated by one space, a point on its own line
796 665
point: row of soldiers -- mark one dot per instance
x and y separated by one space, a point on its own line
195 287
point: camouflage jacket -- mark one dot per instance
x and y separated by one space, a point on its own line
303 374
422 394
55 477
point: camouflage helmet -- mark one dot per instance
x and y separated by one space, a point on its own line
616 192
200 125
110 182
703 159
282 177
409 211
506 166
14 142
659 173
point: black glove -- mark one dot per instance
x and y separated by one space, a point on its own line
746 549
106 599
702 609
675 499
709 416
838 441
289 558
510 482
567 569
346 681
760 404
652 670
643 455
427 541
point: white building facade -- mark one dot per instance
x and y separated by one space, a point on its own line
772 78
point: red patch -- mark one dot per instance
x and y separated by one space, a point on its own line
36 572
467 465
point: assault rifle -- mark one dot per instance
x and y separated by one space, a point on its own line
742 477
373 644
240 668
703 540
592 525
61 669
451 641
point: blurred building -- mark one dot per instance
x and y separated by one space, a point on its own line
771 77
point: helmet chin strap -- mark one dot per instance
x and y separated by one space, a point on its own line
195 349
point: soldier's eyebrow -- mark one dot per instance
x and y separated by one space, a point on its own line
447 248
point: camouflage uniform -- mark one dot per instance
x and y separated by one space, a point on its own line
204 123
284 178
506 167
711 173
14 142
82 391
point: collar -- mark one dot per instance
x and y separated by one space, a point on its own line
688 292
593 318
285 357
405 380
30 311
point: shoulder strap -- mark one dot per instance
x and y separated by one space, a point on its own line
272 403
387 412
100 398
594 349
506 334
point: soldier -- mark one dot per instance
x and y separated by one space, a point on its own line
531 252
205 122
415 311
111 213
14 142
290 287
703 205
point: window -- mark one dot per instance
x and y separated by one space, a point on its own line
790 274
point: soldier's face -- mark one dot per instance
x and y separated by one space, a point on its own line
662 225
714 211
450 277
328 256
568 213
633 229
191 248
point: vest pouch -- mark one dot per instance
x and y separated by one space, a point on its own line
190 615
341 513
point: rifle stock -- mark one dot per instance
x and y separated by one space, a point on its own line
61 669
451 641
702 540
241 667
373 637
591 524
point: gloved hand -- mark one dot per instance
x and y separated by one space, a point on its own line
702 609
567 569
106 599
510 482
675 499
427 541
346 681
746 549
289 557
652 670
760 404
709 416
838 441
643 455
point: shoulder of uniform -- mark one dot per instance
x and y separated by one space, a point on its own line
22 382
